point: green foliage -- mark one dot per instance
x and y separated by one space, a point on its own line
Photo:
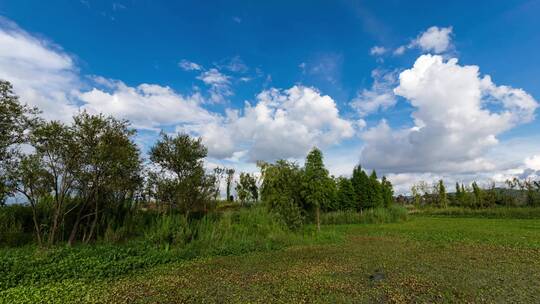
361 185
494 212
375 195
181 182
247 189
376 215
346 197
279 191
170 229
387 192
15 119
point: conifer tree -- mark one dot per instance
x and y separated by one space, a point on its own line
346 196
387 192
316 183
443 198
361 185
375 191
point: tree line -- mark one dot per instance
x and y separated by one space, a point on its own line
516 192
82 179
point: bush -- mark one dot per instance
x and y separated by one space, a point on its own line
16 226
391 214
171 229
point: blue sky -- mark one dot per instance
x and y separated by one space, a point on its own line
330 68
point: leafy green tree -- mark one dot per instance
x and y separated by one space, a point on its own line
478 195
316 184
15 119
182 182
387 192
54 143
246 188
458 198
346 196
280 191
107 172
30 178
442 197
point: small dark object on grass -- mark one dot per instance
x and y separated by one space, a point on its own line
377 276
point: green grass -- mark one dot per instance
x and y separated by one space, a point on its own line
425 259
495 212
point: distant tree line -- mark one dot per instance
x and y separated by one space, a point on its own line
515 193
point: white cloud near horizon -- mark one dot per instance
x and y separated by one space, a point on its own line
453 124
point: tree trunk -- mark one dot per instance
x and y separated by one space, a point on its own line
73 233
36 225
93 227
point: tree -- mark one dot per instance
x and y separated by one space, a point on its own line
280 191
182 182
478 195
246 188
375 191
107 172
56 147
361 185
316 183
30 178
459 195
442 197
15 119
230 177
346 197
219 172
387 192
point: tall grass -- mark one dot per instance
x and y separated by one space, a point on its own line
392 214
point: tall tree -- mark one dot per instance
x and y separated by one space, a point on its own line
361 185
55 145
230 177
375 191
246 188
182 182
280 191
316 183
107 172
387 192
346 196
442 196
478 195
15 119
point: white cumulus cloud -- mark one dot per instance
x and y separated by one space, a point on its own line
42 74
380 96
453 125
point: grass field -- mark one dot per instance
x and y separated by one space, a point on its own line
426 259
